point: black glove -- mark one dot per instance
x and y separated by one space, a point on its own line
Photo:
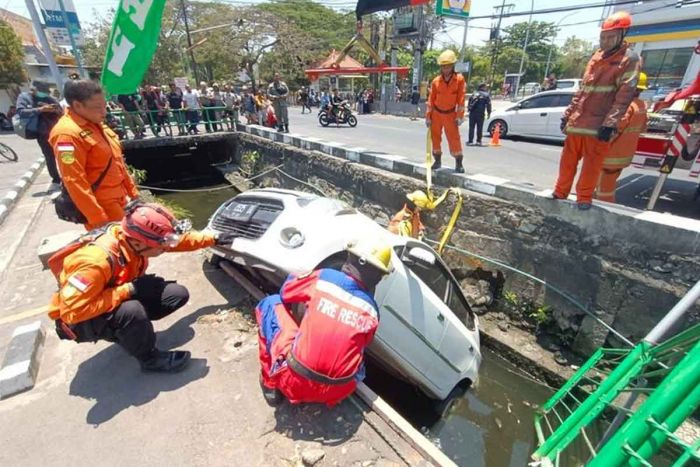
562 125
146 283
605 133
224 239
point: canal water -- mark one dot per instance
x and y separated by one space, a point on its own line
490 425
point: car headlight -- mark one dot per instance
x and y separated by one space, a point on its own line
291 237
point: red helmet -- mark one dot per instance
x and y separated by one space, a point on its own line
618 20
151 224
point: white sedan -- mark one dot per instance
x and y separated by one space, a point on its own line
537 116
427 335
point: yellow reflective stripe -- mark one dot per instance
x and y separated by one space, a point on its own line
618 161
581 131
632 129
589 88
628 75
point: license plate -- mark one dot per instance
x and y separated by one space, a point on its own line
241 212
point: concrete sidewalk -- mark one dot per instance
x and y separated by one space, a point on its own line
15 177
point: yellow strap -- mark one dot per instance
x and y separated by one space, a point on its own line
428 162
453 219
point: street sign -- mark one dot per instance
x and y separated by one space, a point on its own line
453 8
56 26
462 67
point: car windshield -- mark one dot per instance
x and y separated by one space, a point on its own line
325 206
565 84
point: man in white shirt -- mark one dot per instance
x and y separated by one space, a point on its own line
190 101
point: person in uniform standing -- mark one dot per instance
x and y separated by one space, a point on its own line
87 150
445 110
277 92
595 112
479 109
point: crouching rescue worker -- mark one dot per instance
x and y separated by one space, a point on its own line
595 112
623 147
104 293
321 358
445 109
407 221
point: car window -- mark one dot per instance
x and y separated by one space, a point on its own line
539 102
565 84
432 276
563 100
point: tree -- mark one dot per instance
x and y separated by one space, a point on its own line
575 54
12 72
538 48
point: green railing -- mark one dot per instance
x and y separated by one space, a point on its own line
173 122
623 405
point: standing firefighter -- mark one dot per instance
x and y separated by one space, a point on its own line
321 359
278 92
445 109
594 114
624 145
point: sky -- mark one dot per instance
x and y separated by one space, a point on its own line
478 32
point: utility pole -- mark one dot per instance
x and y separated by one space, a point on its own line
74 46
494 55
464 40
189 42
522 57
45 45
419 44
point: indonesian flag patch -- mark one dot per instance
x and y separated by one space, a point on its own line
80 283
66 152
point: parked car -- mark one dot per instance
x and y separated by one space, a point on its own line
427 335
537 116
573 84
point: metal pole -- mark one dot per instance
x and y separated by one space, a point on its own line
656 192
73 44
656 335
527 39
464 40
45 44
549 58
189 42
494 56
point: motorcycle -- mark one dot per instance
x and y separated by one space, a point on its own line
344 115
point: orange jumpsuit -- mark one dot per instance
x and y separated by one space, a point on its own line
407 223
83 150
622 149
444 107
94 279
607 89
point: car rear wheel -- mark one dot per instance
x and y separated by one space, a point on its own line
504 127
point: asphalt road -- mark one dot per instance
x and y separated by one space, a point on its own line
535 163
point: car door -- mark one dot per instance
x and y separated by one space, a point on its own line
531 116
555 113
412 313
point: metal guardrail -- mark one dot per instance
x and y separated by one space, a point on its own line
172 122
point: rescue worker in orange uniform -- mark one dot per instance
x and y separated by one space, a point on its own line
624 145
104 293
607 89
445 110
407 221
85 148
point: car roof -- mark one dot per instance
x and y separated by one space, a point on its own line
553 91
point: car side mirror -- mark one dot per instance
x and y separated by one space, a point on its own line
419 255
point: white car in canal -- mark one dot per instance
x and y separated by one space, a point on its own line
537 116
427 335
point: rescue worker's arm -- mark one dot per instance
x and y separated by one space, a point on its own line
71 158
577 97
298 289
195 240
626 87
85 295
625 121
460 100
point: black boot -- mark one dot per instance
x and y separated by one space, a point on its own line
273 397
438 161
458 165
286 128
161 361
280 129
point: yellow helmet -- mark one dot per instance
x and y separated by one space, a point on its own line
376 254
419 198
642 83
448 57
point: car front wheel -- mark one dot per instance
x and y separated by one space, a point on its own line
492 127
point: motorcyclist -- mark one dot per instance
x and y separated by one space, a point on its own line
335 105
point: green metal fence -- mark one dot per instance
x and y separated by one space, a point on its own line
623 405
136 124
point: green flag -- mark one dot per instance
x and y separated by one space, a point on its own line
132 43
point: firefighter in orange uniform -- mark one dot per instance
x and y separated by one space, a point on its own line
85 148
624 145
407 221
445 109
104 291
594 115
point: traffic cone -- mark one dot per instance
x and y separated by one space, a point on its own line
496 138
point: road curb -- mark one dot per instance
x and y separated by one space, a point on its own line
11 197
21 363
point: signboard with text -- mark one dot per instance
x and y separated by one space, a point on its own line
453 8
56 30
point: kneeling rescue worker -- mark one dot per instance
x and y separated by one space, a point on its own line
445 109
104 292
321 358
407 221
